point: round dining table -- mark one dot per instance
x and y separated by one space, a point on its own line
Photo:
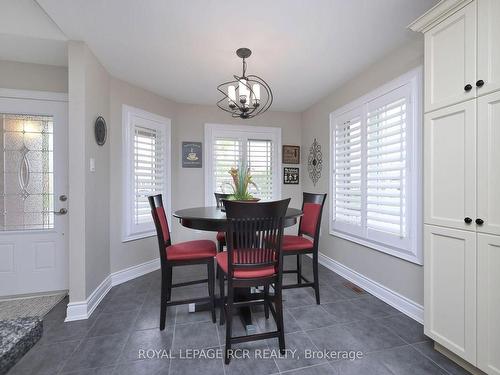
213 219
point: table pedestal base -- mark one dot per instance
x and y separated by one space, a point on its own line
241 294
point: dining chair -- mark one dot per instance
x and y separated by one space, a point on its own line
306 241
221 236
180 254
253 258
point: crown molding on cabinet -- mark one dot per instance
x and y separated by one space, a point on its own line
436 14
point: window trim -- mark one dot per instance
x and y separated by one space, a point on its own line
273 133
415 253
162 124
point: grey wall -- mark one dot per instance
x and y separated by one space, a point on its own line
95 233
401 276
24 76
187 183
124 255
188 186
88 191
92 92
97 255
76 171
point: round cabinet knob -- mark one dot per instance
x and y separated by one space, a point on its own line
480 83
468 87
468 220
479 221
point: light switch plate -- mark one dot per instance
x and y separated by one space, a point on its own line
92 164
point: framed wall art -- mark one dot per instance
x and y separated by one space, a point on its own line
291 154
290 176
192 156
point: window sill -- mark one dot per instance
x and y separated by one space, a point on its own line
398 253
138 236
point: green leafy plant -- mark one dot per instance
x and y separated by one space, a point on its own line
242 179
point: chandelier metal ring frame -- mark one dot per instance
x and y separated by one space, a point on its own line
243 98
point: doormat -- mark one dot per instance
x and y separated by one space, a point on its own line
30 306
354 288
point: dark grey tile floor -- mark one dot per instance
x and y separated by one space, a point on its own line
126 323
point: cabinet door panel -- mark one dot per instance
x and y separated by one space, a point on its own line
450 166
488 48
450 59
450 289
488 303
488 163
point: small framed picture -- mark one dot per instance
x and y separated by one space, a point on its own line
290 176
191 155
291 154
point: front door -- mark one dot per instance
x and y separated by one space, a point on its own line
33 195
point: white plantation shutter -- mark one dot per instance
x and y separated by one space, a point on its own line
228 146
146 152
375 160
149 170
226 155
386 166
347 169
260 157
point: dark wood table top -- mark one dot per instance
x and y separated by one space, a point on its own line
213 219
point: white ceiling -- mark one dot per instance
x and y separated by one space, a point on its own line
183 49
27 34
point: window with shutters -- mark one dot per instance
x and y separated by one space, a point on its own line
226 154
228 146
260 160
146 150
375 177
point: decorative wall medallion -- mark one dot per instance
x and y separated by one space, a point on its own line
315 162
100 131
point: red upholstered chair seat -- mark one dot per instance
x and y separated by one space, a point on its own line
242 273
221 236
190 250
294 243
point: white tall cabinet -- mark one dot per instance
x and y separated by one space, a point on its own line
462 179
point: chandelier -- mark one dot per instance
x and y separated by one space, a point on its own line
247 96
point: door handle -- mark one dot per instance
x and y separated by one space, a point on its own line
62 211
468 220
479 221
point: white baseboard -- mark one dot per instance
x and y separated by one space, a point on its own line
396 300
133 272
83 309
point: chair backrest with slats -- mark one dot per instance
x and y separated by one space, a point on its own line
161 224
219 197
312 208
254 234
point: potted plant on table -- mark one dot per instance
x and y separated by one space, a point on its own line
242 179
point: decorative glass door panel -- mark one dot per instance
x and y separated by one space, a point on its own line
27 189
33 194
